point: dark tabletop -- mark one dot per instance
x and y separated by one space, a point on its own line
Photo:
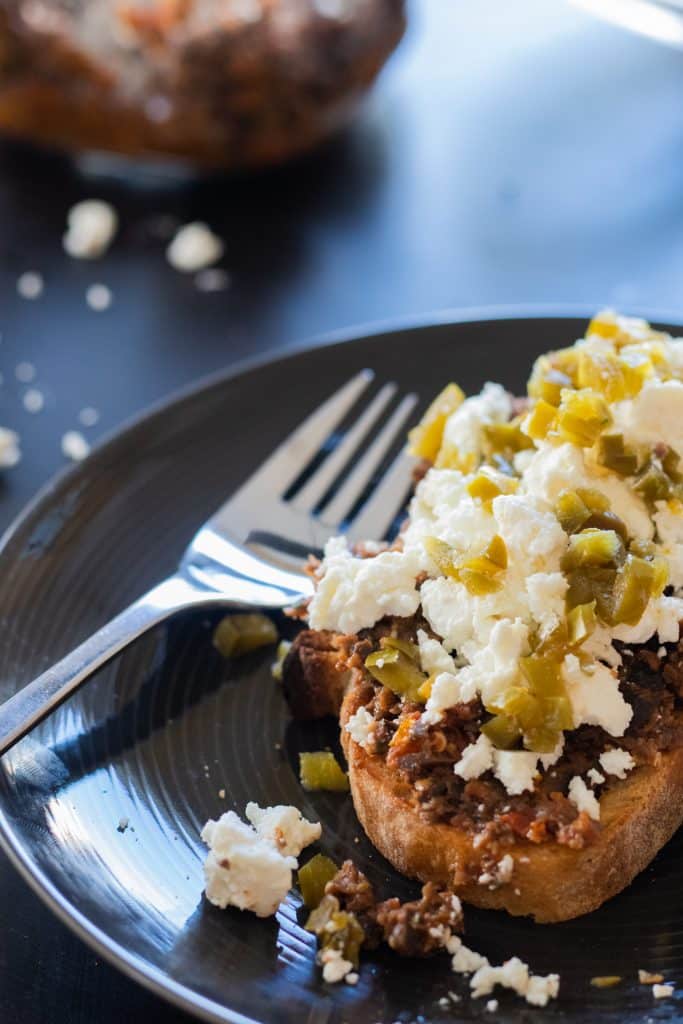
511 154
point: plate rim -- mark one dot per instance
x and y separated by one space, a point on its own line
131 964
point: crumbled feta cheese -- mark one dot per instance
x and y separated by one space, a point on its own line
514 974
88 417
492 1006
599 647
251 868
662 616
654 415
516 769
335 967
98 297
25 372
475 759
557 468
551 758
194 247
531 532
662 991
617 762
30 285
354 593
10 453
465 427
464 960
583 798
284 826
434 658
595 697
546 593
494 666
361 728
91 226
596 777
446 692
243 870
669 521
75 446
352 978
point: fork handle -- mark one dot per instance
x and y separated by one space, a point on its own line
33 702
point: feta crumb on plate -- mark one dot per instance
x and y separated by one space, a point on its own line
194 247
662 991
30 285
251 867
91 226
335 967
98 297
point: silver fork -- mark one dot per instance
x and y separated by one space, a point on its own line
250 553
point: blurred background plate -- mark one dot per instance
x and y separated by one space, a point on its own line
101 807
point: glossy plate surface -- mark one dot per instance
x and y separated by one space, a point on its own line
102 806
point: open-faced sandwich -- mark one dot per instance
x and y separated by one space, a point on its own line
508 672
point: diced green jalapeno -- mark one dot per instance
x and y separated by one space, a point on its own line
320 770
239 634
593 549
613 454
425 439
503 732
313 877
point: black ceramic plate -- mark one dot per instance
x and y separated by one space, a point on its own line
155 738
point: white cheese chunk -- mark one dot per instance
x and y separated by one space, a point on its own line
91 226
595 696
546 595
10 453
335 967
476 759
662 991
516 769
583 798
194 247
284 826
361 728
243 870
654 415
354 593
465 427
531 532
434 658
617 762
251 868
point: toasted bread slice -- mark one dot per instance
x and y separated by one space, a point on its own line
549 882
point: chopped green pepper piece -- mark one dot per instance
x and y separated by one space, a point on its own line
613 454
396 670
581 417
320 770
313 877
336 929
239 634
540 420
425 439
653 484
503 731
593 549
581 621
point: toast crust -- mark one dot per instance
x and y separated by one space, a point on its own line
549 882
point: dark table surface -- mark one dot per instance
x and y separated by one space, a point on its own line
512 154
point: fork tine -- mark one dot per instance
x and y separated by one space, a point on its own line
350 491
289 458
379 511
316 487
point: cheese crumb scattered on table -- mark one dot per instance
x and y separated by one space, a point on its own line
194 247
212 279
10 453
662 991
98 297
88 416
25 372
75 446
492 1006
33 400
91 226
30 285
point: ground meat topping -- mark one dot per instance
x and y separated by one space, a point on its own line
651 681
416 928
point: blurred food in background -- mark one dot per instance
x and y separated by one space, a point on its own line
225 83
